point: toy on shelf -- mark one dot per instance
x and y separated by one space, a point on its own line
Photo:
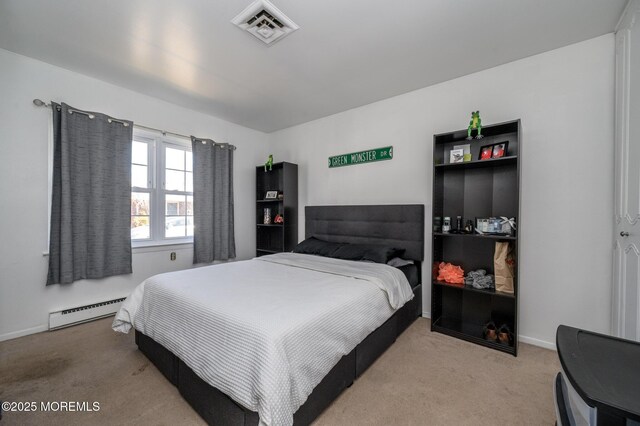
278 219
475 124
269 163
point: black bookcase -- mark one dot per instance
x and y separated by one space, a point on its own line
475 189
276 238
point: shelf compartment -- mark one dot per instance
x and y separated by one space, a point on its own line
496 133
463 312
475 192
270 238
469 332
468 253
489 292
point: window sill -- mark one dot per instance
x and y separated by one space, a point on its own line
153 246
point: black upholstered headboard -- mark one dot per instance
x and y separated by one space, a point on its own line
396 225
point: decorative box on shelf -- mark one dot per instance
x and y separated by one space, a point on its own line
496 225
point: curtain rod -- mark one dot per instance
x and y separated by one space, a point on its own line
41 103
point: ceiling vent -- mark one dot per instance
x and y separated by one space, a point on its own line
265 22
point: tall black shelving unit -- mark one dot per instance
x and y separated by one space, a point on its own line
276 238
475 189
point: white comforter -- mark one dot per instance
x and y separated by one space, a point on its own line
265 331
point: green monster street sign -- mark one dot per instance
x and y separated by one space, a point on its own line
368 156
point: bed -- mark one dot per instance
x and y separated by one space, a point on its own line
274 343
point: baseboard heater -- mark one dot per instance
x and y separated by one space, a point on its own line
73 316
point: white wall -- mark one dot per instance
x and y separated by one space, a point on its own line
565 100
24 300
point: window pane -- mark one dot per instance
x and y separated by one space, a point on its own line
174 159
189 162
140 227
139 178
175 226
190 226
140 203
189 179
139 154
174 181
175 205
189 205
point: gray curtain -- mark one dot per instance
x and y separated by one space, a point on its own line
91 197
213 236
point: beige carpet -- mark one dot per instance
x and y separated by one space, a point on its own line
424 378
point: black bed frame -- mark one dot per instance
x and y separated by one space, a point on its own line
396 225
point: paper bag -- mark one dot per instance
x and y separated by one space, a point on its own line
503 267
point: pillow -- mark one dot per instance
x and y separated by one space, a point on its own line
398 262
318 247
368 252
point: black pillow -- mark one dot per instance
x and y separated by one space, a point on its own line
318 247
368 252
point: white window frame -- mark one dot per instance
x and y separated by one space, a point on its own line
156 164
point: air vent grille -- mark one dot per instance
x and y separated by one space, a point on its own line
268 20
265 22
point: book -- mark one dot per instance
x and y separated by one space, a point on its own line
466 151
456 156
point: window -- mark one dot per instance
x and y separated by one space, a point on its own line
161 190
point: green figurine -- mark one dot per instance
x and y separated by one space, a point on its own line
475 123
269 163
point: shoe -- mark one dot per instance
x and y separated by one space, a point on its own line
504 335
489 332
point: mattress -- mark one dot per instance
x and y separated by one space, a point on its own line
267 330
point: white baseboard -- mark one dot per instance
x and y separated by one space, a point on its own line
523 339
25 332
537 342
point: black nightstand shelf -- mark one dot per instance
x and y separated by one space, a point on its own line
475 189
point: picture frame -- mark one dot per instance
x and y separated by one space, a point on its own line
485 152
500 149
456 155
271 195
493 151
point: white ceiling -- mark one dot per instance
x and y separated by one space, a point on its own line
346 53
